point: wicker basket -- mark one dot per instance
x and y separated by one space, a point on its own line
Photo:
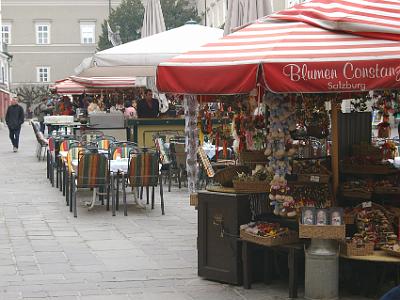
251 186
324 232
357 194
353 249
252 158
318 178
225 176
291 238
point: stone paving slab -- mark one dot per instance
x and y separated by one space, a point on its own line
45 253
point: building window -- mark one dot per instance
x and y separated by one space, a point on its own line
43 74
42 34
88 32
6 33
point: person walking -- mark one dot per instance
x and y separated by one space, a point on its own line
14 121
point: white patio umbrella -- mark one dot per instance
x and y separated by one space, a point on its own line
153 20
242 12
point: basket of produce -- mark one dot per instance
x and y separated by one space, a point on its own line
325 232
268 234
226 175
257 182
356 246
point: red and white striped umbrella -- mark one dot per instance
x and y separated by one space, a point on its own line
68 86
299 55
105 82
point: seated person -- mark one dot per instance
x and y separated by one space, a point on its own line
130 112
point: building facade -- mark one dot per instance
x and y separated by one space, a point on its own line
5 60
213 12
49 38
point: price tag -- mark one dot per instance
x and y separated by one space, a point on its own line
314 178
367 204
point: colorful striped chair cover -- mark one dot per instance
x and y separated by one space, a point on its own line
144 169
73 154
92 170
122 152
104 144
65 145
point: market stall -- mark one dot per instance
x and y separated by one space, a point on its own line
335 49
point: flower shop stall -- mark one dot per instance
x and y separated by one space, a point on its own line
327 50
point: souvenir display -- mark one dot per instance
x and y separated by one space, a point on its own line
336 216
321 217
373 224
268 234
308 216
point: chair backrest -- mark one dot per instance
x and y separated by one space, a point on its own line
73 154
162 150
35 127
121 149
92 170
66 144
52 145
144 168
91 136
104 142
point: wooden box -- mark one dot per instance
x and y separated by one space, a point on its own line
219 255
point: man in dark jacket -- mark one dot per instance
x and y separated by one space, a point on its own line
14 120
148 107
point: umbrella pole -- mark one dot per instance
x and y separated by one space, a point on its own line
335 148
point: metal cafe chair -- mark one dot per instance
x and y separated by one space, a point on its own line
73 155
91 136
119 150
64 147
144 171
92 172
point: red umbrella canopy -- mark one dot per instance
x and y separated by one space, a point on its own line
296 51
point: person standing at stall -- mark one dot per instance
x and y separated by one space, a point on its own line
148 107
14 120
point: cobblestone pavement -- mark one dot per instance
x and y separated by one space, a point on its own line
47 254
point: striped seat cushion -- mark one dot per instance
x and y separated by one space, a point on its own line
144 169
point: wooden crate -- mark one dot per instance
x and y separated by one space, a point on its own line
353 249
325 232
291 238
